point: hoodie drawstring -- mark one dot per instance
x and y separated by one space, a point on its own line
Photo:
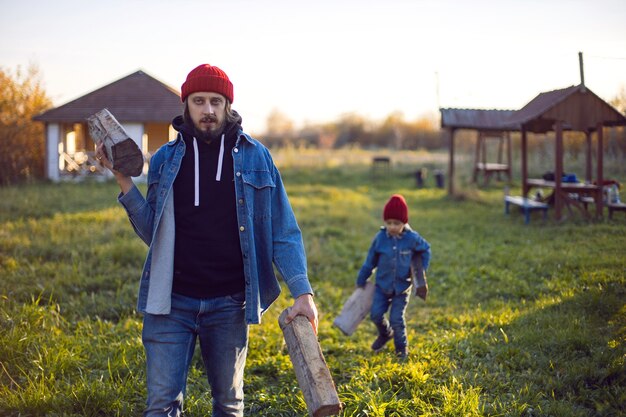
218 175
196 176
196 171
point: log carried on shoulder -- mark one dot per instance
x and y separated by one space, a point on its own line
120 149
355 309
310 367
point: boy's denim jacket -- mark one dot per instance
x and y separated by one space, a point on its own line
269 233
391 256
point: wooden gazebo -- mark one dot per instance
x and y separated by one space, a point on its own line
574 108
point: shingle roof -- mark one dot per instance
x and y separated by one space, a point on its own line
577 106
541 103
138 97
475 118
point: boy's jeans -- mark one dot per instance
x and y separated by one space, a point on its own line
169 341
398 303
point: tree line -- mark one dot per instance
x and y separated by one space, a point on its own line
351 130
22 140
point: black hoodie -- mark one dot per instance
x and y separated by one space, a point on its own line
207 253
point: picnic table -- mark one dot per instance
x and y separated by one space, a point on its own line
572 194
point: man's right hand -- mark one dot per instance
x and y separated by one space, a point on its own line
101 156
125 182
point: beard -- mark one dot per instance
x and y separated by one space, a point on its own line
209 135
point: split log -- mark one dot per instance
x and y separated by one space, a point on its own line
310 367
355 309
419 277
120 149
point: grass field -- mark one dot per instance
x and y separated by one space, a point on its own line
521 320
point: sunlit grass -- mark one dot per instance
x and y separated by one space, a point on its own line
521 320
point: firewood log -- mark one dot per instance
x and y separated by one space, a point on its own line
355 309
420 284
310 367
120 149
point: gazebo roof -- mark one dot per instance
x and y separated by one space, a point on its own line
576 106
138 97
475 118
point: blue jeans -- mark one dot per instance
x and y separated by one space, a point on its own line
170 340
398 303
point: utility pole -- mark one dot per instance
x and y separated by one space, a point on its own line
437 88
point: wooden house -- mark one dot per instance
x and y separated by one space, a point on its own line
142 104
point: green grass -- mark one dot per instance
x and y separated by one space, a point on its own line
521 320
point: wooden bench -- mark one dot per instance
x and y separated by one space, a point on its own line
586 200
526 204
488 169
381 165
615 207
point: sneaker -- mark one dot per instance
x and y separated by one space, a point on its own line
381 340
402 354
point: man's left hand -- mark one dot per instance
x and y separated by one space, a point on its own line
305 306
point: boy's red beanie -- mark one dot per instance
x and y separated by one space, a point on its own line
396 208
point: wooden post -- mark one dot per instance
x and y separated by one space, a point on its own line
451 164
500 151
588 153
310 367
509 158
525 187
600 174
356 308
483 150
477 155
120 149
558 170
500 146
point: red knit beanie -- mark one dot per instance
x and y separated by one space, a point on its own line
207 78
397 209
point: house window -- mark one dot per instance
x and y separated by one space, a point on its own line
70 139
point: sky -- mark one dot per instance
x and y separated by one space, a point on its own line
317 60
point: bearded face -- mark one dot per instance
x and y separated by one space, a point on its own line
206 111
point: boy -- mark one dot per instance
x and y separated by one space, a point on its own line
391 252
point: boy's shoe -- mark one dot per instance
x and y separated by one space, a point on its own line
402 354
381 340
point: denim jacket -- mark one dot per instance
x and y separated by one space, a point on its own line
391 256
269 233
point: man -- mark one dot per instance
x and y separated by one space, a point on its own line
216 218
